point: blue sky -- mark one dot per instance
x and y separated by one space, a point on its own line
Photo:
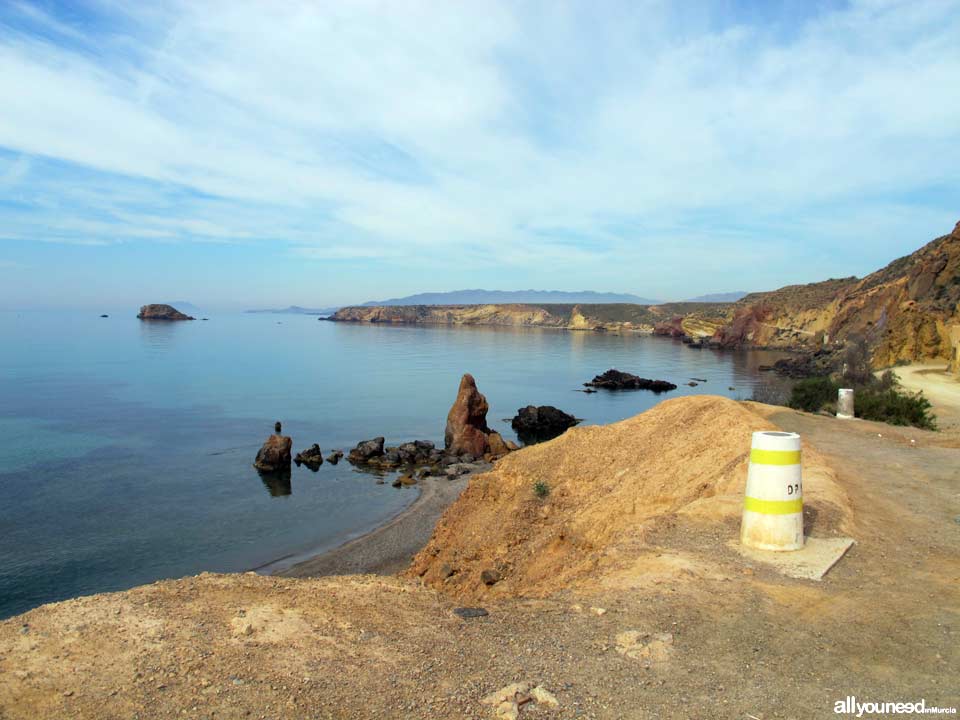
239 154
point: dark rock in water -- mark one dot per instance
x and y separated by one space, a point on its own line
275 454
161 312
699 379
490 577
334 457
692 384
312 457
588 391
538 423
104 316
616 380
366 450
467 613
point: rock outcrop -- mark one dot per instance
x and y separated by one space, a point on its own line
904 310
366 450
161 312
954 339
312 457
616 380
467 431
535 424
274 456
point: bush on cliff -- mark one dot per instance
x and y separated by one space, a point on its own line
813 393
878 399
895 407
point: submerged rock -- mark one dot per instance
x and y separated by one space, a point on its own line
616 380
274 456
312 457
538 423
161 312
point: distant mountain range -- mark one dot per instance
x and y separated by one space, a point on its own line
727 297
297 310
506 297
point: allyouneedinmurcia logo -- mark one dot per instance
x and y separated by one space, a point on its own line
850 706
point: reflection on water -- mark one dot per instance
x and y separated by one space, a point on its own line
159 336
278 483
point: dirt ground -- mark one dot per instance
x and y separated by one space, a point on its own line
699 633
942 389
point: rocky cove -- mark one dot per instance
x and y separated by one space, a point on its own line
907 311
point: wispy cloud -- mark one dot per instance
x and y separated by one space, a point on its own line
534 135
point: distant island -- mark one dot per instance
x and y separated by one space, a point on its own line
296 310
508 297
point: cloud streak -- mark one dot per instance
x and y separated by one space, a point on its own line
543 135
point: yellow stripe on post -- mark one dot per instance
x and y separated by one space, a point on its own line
773 507
774 457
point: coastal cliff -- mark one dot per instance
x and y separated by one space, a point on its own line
905 311
702 318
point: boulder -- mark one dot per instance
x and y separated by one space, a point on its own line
312 457
538 423
161 312
617 380
497 445
467 432
366 450
334 457
274 456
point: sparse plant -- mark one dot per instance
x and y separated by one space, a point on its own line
813 393
541 489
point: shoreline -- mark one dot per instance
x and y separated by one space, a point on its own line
388 548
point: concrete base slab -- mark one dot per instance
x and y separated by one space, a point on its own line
812 562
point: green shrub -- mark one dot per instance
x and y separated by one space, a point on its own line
892 406
812 394
541 489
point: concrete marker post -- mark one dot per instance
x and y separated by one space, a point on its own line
773 505
845 404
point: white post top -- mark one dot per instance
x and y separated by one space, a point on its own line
775 440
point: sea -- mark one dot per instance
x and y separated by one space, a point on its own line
126 447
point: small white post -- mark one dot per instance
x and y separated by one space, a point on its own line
845 404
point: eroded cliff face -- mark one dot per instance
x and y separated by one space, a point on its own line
702 319
905 310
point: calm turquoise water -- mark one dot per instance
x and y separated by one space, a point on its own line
126 447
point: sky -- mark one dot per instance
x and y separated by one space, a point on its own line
244 154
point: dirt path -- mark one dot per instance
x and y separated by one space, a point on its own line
705 634
941 388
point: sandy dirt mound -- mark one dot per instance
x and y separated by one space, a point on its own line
608 487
